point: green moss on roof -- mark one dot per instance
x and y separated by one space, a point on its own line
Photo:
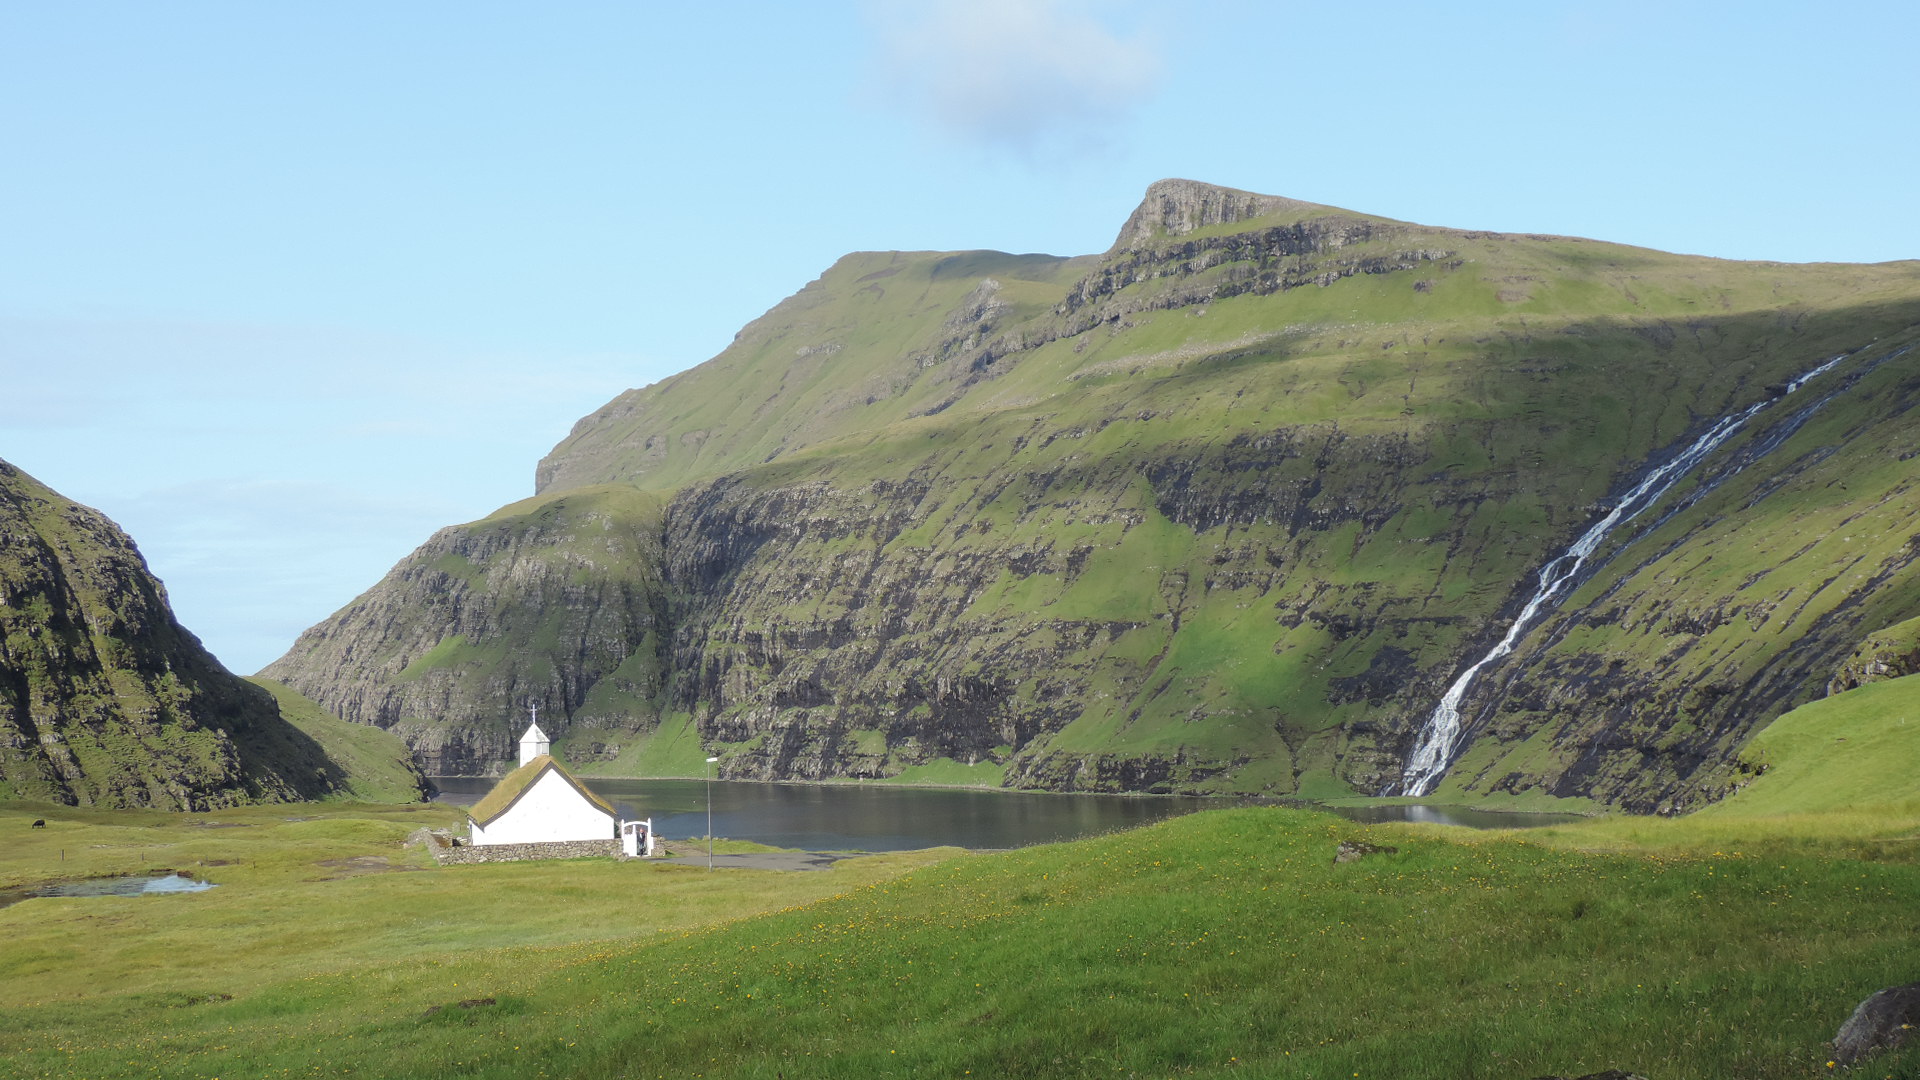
516 783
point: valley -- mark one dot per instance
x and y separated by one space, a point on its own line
758 542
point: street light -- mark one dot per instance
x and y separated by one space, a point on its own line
710 761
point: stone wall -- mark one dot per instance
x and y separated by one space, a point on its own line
444 853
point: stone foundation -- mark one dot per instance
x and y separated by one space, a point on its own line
446 854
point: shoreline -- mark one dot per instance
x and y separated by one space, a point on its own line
1328 805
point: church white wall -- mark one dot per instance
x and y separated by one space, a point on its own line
549 810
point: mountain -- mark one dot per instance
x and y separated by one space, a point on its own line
1228 507
106 701
555 600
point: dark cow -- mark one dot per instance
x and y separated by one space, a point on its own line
40 824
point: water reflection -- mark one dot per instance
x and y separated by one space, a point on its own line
112 886
856 817
859 817
127 886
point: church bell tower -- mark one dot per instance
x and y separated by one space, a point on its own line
535 742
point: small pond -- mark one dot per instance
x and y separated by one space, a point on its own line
876 817
149 885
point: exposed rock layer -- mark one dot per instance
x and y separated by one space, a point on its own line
1887 654
1224 509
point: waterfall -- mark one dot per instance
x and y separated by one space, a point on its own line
1441 736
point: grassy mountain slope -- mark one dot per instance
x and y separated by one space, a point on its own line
1853 751
377 766
554 601
104 699
1746 601
875 339
1226 507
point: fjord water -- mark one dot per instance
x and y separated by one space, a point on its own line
1440 738
859 817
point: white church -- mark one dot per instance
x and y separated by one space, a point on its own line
542 803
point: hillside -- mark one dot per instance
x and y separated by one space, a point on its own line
1225 508
550 600
105 700
373 766
1227 944
1856 750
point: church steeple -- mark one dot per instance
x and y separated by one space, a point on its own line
535 742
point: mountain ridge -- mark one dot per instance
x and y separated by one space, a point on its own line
1222 509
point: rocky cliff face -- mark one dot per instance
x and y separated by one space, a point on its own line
1224 509
1886 654
1731 607
555 603
104 699
1178 207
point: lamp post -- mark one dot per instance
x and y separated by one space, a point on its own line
710 762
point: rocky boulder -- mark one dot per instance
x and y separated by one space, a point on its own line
1355 850
1884 1021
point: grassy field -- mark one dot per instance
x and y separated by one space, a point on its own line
1225 943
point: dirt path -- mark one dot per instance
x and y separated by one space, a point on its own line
762 860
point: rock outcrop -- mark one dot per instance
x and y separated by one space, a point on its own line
1178 207
1355 850
1885 654
1885 1021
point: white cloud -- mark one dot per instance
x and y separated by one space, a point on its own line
1026 75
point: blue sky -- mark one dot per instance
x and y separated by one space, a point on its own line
285 287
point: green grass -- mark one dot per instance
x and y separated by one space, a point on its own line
671 750
377 764
450 652
1225 943
1821 756
317 906
946 772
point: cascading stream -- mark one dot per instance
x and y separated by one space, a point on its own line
1441 736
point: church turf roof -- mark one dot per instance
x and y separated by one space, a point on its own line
516 783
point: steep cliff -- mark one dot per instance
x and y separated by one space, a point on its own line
104 699
1227 507
555 602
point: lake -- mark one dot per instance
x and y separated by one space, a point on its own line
876 817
